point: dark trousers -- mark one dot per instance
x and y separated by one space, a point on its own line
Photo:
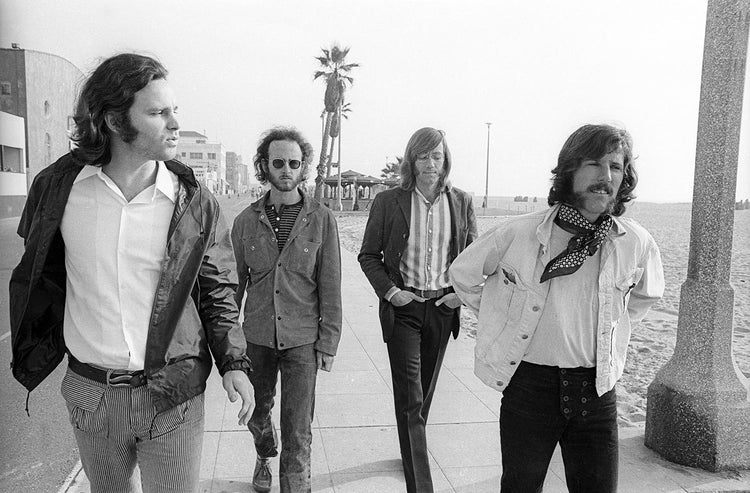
416 351
298 367
544 405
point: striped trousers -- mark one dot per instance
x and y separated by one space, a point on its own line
118 427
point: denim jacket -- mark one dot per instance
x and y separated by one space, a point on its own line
498 278
293 296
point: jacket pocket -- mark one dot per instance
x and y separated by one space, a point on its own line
302 255
257 255
86 404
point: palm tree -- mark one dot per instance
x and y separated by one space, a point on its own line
391 169
336 75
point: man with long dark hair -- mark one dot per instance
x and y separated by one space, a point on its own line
413 234
128 269
557 293
288 260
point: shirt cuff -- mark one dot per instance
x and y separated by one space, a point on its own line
389 294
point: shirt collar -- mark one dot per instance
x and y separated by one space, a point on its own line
86 172
422 198
166 181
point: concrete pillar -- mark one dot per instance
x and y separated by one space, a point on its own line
698 412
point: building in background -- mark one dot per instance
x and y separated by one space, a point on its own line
12 165
208 160
40 88
237 173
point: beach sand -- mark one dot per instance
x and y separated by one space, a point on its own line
653 340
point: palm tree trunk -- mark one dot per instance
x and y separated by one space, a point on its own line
324 157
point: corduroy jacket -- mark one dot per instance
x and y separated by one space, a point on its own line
193 310
293 296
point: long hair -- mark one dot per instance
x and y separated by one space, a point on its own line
281 133
110 88
424 140
593 142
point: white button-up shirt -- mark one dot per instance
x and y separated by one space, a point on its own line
114 251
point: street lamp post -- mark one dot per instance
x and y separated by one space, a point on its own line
338 185
487 171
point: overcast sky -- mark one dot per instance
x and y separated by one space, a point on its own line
536 69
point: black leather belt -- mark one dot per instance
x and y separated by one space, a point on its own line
430 294
113 378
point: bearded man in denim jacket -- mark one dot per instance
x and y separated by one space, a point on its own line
288 260
557 294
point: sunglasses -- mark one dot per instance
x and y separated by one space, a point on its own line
293 163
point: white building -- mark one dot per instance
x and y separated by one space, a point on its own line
12 165
208 160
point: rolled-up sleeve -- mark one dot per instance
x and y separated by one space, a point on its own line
650 287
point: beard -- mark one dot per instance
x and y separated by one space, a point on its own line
284 185
582 201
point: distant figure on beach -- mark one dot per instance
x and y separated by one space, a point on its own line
288 260
557 293
128 269
413 233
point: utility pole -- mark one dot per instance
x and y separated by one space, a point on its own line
487 171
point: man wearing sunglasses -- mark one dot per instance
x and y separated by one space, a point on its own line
288 261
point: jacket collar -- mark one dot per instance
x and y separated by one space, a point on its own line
309 204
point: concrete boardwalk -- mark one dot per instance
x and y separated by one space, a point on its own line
355 447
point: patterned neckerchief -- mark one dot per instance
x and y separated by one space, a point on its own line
587 237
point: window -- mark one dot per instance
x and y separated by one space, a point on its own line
10 159
196 155
200 141
183 154
211 155
5 88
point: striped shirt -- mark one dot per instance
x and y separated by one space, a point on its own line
283 221
424 264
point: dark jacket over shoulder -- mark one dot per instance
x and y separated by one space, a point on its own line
193 310
385 239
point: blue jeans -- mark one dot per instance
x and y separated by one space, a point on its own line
298 367
544 405
416 350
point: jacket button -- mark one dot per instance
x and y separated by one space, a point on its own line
505 281
279 264
306 250
277 291
524 336
534 308
500 383
278 318
281 344
512 363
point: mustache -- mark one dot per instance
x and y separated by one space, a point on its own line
601 187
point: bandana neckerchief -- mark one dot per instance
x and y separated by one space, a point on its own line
585 242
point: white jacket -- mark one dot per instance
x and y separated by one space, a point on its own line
497 277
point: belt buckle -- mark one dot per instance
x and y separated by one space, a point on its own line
115 379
